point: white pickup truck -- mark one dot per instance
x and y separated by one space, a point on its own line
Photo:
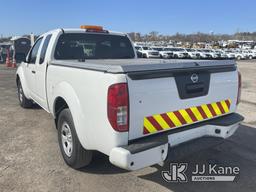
147 52
105 99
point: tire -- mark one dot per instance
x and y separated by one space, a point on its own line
145 56
23 100
250 57
71 149
238 58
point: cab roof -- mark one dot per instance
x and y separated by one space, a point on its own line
78 30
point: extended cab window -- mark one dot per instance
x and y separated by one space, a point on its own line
44 48
34 51
71 46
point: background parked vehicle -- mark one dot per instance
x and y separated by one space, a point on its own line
223 55
193 53
139 54
147 52
230 54
249 54
170 51
178 53
21 47
239 55
212 53
4 47
163 53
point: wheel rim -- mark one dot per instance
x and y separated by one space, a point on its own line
66 138
20 94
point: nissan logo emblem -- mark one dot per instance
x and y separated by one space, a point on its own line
194 78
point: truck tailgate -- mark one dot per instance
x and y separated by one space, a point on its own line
164 100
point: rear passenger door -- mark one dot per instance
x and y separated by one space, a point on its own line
41 70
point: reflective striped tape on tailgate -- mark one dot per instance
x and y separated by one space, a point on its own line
164 121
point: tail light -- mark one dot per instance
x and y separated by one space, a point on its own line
239 88
118 107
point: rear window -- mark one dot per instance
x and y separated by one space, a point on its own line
79 46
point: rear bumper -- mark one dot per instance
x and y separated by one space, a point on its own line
153 149
123 158
153 56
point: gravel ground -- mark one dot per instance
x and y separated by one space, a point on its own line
30 159
248 105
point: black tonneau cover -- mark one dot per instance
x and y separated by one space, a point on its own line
145 65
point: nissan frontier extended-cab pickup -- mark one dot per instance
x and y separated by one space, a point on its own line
133 110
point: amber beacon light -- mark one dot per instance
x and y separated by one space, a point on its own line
92 27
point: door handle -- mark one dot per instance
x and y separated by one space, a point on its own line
34 72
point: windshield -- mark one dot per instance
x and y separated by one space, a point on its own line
145 48
208 51
158 48
179 49
77 46
168 49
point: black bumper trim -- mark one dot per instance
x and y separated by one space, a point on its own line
148 142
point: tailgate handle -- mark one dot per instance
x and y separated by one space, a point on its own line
195 88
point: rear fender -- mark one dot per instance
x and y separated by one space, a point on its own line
65 91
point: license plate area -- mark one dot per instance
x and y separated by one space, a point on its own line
194 84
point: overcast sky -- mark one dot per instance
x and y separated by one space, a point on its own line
19 17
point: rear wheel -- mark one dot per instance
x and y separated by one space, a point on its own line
24 102
238 58
250 57
71 149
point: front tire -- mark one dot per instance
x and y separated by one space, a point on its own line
71 149
23 100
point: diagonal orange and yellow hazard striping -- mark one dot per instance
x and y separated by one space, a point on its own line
174 119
